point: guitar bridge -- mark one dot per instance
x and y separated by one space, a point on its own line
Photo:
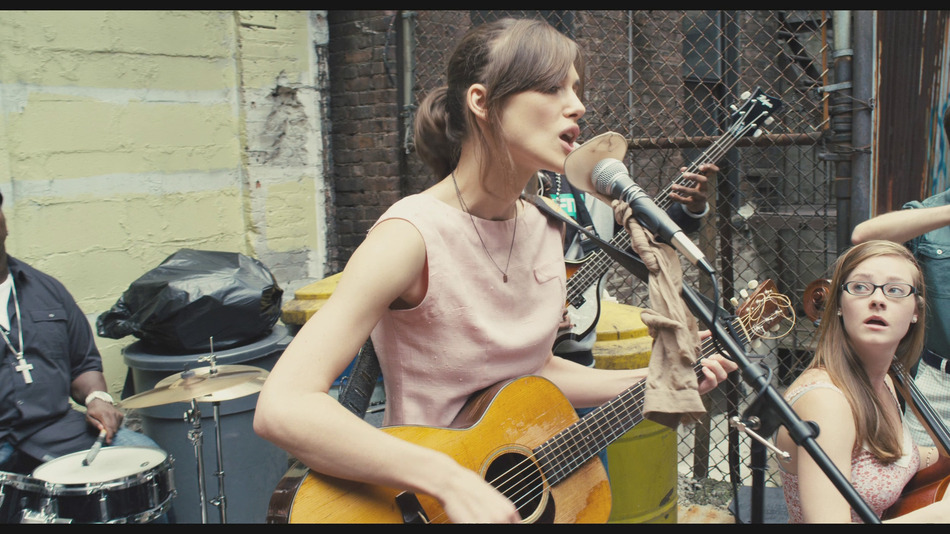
411 508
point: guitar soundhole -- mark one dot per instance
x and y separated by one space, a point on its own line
519 479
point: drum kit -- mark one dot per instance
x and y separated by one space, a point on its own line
130 484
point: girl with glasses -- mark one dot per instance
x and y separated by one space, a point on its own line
875 316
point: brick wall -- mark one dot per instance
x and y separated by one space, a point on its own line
365 153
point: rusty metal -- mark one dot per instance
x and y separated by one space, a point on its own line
910 43
765 140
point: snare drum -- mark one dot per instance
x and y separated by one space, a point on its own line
18 494
121 485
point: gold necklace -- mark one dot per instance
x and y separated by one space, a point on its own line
504 274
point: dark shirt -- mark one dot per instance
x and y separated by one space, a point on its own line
37 418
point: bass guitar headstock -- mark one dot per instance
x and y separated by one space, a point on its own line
756 110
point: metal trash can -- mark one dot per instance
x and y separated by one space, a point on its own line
252 465
642 462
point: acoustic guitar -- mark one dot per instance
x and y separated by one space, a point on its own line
929 485
586 276
523 436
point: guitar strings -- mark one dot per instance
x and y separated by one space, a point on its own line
566 441
714 153
600 262
927 411
557 463
752 316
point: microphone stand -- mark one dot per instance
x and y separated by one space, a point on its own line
769 409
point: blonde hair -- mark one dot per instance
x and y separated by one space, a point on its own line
507 56
836 355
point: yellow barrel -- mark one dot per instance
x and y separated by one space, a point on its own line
307 300
641 463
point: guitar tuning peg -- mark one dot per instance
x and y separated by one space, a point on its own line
733 107
757 133
743 293
734 301
769 120
745 95
753 284
756 344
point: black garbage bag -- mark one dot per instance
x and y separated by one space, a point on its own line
194 296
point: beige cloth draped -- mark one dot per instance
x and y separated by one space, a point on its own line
671 394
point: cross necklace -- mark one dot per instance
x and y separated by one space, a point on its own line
22 365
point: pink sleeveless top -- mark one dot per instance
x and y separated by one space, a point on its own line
471 330
879 484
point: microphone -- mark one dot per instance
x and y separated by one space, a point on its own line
610 178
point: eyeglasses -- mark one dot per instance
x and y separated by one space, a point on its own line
894 290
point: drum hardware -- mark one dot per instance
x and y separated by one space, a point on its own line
195 435
215 383
22 500
45 514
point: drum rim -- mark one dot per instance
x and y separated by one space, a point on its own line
85 488
21 481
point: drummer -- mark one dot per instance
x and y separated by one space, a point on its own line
49 356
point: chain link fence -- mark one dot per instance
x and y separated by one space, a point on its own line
667 81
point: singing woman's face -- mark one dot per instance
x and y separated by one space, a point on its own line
877 321
540 127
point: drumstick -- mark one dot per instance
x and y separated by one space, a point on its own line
95 448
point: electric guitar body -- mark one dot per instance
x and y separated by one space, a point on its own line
583 307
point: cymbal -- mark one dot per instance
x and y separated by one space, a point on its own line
250 387
226 383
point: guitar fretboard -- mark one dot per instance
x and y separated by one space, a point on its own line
569 449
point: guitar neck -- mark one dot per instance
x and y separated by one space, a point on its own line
599 262
576 444
922 408
714 154
593 268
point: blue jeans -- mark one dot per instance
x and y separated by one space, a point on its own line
130 438
6 452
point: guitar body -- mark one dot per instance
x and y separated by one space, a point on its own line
928 486
497 428
584 311
523 436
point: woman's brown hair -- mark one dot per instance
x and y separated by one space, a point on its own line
507 56
836 355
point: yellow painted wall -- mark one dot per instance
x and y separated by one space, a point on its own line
128 135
